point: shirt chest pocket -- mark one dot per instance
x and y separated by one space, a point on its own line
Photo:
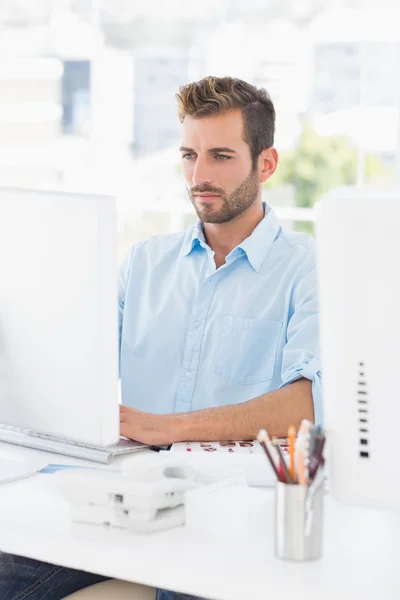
247 349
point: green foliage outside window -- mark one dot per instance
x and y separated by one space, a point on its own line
317 164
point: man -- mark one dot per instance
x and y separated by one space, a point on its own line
218 326
219 332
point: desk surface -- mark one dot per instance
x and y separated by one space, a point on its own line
361 556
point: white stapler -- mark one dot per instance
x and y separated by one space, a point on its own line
145 495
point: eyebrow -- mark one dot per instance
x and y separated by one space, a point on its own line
210 150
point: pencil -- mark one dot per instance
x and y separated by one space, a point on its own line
282 460
292 438
265 441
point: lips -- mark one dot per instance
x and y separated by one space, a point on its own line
206 197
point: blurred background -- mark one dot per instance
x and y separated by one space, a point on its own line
87 96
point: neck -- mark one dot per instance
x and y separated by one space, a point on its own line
224 237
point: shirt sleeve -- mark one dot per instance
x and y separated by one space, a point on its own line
301 354
123 278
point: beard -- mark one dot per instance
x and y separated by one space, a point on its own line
233 205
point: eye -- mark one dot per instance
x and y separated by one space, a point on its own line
222 157
188 155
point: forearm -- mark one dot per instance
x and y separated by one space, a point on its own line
274 411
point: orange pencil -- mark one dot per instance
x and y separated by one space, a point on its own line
292 439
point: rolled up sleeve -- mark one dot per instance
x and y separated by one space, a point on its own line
301 354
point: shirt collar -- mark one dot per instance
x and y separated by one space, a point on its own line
194 237
255 247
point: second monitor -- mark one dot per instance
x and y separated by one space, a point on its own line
358 252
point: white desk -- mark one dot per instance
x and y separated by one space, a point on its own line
361 555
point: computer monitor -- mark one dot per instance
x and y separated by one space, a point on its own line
358 257
58 314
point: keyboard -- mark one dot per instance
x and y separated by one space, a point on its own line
49 443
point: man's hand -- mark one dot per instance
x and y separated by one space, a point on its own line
145 427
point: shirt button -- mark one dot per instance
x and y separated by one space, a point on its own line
188 374
197 324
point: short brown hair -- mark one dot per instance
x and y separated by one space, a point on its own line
216 95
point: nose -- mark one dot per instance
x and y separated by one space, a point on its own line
201 173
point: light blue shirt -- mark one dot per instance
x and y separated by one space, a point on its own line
193 336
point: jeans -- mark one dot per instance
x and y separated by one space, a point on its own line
28 579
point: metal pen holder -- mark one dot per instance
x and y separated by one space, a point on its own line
298 521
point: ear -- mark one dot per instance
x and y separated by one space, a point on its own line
267 163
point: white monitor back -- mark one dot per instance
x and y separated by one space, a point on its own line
358 242
58 314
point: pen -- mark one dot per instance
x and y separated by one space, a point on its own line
315 434
265 442
317 459
282 461
291 440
